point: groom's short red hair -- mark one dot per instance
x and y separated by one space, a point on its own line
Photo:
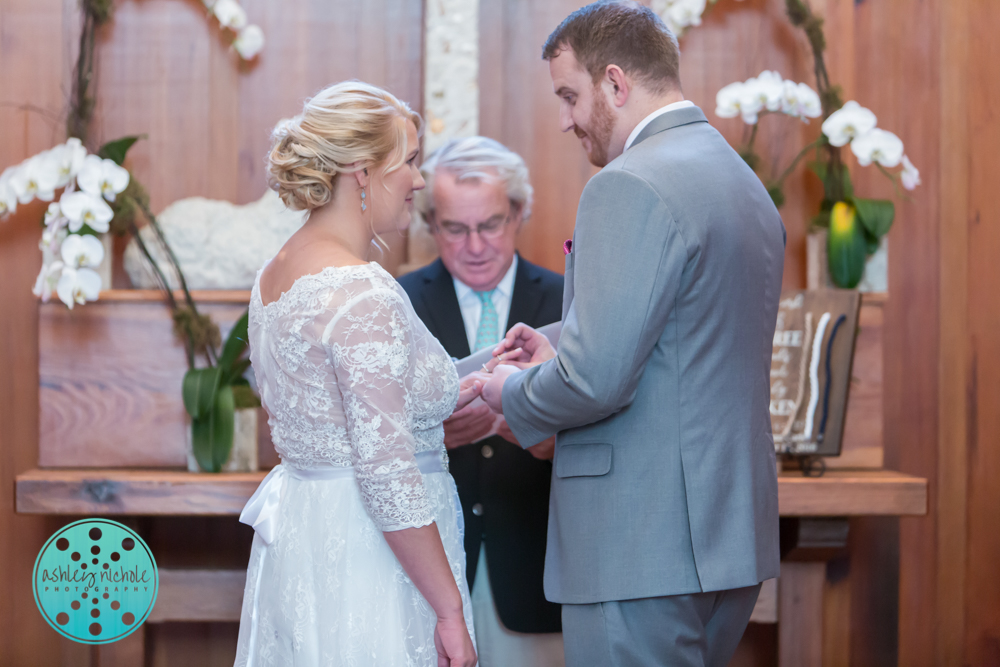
623 33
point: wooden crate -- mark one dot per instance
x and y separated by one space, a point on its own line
110 377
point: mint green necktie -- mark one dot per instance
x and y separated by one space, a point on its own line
488 333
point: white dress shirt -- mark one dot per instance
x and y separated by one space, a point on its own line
472 308
683 104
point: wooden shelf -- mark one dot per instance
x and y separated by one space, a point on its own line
175 493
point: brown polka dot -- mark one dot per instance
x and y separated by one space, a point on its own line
75 556
84 596
95 612
128 544
128 618
95 629
96 600
95 549
94 561
62 544
105 596
115 604
83 566
62 618
95 533
75 604
115 556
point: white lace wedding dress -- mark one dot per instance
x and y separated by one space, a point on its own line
356 389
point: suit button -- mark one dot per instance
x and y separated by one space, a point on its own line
477 509
487 452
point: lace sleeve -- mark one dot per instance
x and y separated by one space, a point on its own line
369 344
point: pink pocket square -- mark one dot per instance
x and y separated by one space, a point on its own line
567 246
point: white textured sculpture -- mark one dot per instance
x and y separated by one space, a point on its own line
218 245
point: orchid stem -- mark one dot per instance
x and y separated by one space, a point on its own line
795 162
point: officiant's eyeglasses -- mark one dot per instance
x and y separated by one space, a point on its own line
491 229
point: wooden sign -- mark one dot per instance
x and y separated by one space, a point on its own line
811 365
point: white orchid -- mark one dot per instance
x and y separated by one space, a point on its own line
82 251
35 178
763 91
230 14
249 42
8 198
78 286
102 178
801 101
679 14
880 146
910 175
850 121
68 159
727 100
83 208
48 279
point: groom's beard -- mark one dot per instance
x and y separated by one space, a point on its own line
601 125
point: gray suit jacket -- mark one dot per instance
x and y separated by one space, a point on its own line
664 477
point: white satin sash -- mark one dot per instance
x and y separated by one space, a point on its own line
261 511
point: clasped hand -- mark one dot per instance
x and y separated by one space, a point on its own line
521 348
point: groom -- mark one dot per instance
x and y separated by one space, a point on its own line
664 503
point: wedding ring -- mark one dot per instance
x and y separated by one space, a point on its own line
486 369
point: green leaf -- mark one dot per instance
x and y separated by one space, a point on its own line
846 248
836 184
199 389
871 243
876 215
235 345
236 371
224 418
117 149
212 435
244 397
777 195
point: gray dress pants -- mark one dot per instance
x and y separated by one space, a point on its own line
697 630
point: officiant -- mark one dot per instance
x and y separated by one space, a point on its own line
477 198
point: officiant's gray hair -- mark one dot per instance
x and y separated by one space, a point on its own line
476 159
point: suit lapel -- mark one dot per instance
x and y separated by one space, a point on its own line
443 311
526 297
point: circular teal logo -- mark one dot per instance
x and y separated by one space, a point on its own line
95 581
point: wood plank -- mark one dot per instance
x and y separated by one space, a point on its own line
156 296
155 492
110 382
955 365
800 614
199 595
132 492
37 39
852 493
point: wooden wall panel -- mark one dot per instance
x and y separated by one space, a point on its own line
166 71
32 61
517 107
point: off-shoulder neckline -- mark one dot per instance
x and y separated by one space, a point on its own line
328 269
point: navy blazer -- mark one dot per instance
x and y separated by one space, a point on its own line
510 486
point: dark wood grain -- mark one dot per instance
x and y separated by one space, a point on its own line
199 595
154 492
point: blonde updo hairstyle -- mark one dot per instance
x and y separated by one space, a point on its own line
346 127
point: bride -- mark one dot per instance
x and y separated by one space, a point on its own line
357 555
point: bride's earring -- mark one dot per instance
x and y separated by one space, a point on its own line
364 206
